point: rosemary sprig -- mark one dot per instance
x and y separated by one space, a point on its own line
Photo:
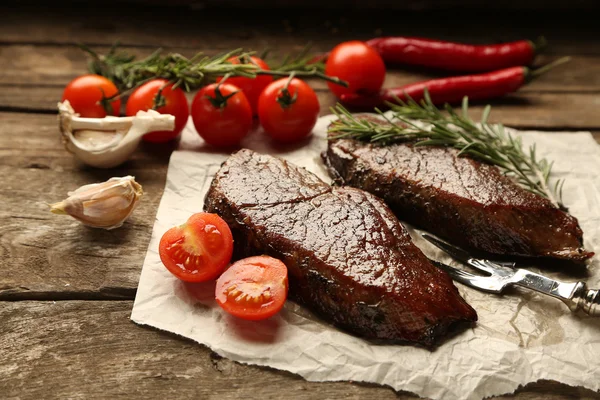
427 125
191 73
303 61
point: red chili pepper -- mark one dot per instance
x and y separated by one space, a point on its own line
452 90
452 56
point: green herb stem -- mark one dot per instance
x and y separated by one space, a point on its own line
193 73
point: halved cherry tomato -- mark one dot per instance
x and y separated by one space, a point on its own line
254 288
288 109
221 114
252 87
171 101
198 250
358 64
86 94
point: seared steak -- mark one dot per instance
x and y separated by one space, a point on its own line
464 201
348 257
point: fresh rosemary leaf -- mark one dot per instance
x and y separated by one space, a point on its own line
489 143
303 61
193 73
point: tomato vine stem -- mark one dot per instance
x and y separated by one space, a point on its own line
285 98
192 73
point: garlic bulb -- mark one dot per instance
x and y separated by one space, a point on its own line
102 205
109 141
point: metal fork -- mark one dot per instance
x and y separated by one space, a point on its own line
575 295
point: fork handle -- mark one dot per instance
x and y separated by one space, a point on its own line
585 299
575 295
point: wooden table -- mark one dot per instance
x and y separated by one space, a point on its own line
66 292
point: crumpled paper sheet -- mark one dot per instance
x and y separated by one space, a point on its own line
520 337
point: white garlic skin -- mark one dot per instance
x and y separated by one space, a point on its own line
108 158
110 141
104 205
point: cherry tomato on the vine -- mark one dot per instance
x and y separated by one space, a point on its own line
221 114
88 93
288 109
252 87
171 101
199 250
358 64
254 288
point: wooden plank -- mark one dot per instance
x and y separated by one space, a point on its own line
92 350
552 111
77 349
154 27
568 111
62 258
56 65
64 361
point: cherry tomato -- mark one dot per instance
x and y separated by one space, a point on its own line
358 64
288 112
86 92
221 114
198 250
171 102
254 288
252 87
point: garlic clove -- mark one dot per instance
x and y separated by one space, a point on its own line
107 142
97 141
102 205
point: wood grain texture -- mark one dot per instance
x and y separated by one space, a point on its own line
569 111
46 24
91 350
31 66
82 348
53 256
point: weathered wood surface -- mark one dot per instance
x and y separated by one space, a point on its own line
91 350
53 256
552 111
570 111
29 66
80 348
568 32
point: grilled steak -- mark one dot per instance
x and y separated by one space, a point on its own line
466 202
349 258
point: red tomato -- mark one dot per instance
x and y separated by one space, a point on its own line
288 114
198 250
358 64
85 93
175 103
252 87
222 116
254 288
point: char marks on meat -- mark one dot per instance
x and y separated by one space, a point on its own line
464 201
349 259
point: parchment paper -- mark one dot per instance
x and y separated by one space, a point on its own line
520 337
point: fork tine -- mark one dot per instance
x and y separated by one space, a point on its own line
484 265
485 283
460 255
460 275
454 251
